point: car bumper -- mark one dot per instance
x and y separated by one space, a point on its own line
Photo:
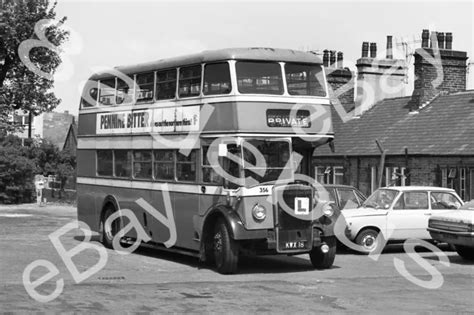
451 237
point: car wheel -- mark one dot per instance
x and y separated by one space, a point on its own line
368 240
465 252
322 260
109 232
226 253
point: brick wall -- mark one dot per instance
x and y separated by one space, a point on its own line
422 170
338 78
429 83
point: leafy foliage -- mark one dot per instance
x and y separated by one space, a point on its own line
21 88
19 164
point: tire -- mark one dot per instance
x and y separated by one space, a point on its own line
465 252
226 253
368 240
322 260
108 233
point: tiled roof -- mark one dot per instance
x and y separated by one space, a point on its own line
443 127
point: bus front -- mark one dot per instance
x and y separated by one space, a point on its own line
262 156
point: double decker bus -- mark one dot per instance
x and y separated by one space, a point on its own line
210 153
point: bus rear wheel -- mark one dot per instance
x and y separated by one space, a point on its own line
226 251
321 260
109 232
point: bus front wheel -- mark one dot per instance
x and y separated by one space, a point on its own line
324 260
226 252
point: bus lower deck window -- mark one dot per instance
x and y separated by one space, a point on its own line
105 162
186 166
164 164
142 164
123 163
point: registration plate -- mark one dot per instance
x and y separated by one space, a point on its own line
295 245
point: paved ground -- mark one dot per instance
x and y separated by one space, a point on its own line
150 281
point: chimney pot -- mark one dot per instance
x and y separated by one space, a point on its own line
434 40
389 47
373 50
340 57
365 49
441 40
326 58
332 58
449 41
424 38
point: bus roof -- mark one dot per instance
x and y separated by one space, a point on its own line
250 53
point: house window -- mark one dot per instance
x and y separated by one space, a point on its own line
462 183
395 176
444 177
329 174
373 179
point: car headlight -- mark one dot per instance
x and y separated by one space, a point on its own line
328 210
259 212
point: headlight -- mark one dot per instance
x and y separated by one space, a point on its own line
328 210
259 212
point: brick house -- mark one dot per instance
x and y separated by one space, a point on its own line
428 137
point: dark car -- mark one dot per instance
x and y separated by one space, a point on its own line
344 196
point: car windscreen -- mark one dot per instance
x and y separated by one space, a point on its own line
381 199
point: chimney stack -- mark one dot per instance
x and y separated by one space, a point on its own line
424 38
326 58
378 79
373 50
332 58
340 57
445 73
389 47
365 49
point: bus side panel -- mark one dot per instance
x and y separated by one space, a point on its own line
87 124
186 206
86 206
86 160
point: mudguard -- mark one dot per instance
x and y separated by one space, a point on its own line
234 223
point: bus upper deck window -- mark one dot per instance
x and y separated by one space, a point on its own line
144 89
89 95
217 79
124 91
259 77
190 81
166 84
305 79
107 92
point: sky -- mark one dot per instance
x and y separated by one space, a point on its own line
108 33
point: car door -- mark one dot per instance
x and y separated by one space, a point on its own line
409 216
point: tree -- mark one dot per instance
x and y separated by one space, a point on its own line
21 87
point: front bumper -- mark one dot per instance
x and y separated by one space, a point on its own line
452 237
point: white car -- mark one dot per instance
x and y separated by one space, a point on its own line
397 213
455 228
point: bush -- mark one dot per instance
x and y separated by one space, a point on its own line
19 164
